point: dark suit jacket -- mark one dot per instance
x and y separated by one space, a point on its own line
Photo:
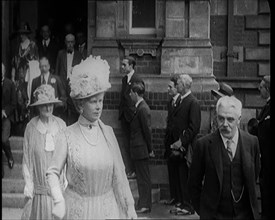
61 71
8 98
126 106
168 140
50 52
264 136
55 82
207 166
140 138
187 118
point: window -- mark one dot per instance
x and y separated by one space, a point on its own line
142 16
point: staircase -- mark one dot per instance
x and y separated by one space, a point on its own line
13 183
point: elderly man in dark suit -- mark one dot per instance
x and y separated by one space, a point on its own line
47 46
141 146
8 107
225 167
187 121
66 60
126 111
264 136
47 78
172 162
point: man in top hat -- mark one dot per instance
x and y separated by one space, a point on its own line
224 89
66 60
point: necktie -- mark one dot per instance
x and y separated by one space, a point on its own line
43 80
44 44
229 149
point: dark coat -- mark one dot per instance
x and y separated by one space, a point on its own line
168 140
207 167
50 52
126 106
140 138
55 82
8 98
187 118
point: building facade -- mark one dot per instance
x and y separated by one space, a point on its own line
213 41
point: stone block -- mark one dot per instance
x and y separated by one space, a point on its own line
105 28
217 51
175 28
255 101
186 64
106 9
257 53
205 120
218 7
246 7
175 9
264 69
199 20
264 38
264 7
257 22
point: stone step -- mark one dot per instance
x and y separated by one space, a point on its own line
17 156
13 200
16 143
14 173
13 185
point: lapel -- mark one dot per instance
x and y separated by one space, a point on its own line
177 104
215 148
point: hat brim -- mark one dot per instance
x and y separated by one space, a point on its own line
217 93
46 102
23 32
90 95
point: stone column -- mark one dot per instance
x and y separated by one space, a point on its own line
104 44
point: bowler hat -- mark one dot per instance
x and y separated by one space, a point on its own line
44 94
24 29
224 90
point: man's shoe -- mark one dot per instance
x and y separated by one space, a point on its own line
143 210
184 212
131 175
10 163
177 204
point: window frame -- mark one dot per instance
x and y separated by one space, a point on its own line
141 31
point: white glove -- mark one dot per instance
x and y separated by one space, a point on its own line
59 210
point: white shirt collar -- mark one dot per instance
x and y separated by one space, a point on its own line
47 41
139 101
129 75
175 97
234 142
185 95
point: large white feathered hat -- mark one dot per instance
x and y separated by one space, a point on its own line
89 78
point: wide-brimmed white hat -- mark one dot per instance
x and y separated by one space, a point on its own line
44 94
89 78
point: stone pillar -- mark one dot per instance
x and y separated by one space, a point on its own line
104 43
187 47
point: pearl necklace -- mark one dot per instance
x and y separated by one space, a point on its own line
85 137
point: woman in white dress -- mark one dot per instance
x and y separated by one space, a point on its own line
97 184
38 148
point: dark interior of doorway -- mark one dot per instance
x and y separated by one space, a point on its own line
59 14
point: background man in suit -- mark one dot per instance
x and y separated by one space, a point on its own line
264 137
81 43
66 60
8 107
187 121
47 78
126 111
172 163
141 146
47 47
227 162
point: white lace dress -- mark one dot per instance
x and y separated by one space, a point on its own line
95 173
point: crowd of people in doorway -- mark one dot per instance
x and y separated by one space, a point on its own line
73 166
